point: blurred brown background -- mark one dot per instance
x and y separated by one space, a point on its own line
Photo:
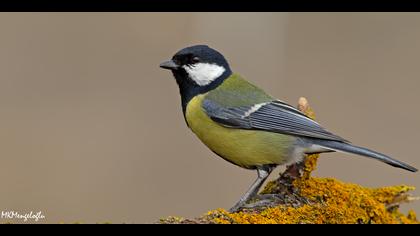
91 129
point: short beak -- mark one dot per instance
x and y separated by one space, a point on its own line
170 65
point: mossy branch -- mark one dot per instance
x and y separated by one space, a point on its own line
297 198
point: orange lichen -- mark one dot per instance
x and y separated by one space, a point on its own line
309 165
330 202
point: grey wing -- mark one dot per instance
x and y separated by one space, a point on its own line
274 116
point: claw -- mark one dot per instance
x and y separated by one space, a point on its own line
262 200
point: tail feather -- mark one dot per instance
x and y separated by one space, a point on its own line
349 148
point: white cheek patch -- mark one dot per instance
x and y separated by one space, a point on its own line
204 73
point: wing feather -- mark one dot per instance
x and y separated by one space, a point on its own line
275 116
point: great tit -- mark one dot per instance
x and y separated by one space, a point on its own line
244 125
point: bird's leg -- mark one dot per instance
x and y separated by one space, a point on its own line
263 172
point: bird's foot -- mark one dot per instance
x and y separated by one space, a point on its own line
236 207
261 200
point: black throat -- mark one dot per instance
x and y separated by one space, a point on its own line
189 89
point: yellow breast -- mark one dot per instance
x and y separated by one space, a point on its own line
246 148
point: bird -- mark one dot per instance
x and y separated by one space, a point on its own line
246 126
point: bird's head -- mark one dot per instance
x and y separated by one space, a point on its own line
198 66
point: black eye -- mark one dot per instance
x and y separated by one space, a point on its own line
195 59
